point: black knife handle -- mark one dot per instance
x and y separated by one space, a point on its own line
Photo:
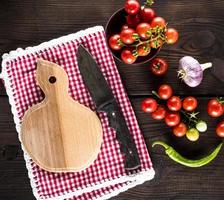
118 123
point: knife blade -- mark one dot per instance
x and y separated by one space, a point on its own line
106 102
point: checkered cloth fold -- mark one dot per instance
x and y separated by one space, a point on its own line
106 177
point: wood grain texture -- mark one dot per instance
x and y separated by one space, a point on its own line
172 181
60 134
200 23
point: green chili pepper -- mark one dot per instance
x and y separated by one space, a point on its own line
184 161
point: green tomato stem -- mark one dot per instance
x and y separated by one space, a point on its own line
156 94
188 116
149 3
156 33
220 100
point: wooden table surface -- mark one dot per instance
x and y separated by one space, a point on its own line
200 23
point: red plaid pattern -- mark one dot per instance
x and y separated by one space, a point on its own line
106 174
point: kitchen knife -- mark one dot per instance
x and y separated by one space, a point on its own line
106 102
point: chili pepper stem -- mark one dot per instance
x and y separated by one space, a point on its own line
160 143
206 66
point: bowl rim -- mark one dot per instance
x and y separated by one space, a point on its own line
120 60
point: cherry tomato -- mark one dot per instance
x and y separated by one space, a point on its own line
127 36
149 105
165 91
192 134
124 27
114 42
174 103
142 29
190 103
215 108
158 21
201 126
171 35
160 113
156 43
159 66
220 129
143 50
127 56
132 7
133 20
180 129
147 14
172 118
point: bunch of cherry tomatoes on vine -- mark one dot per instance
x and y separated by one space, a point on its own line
180 114
142 32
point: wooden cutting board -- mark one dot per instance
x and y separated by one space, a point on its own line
60 134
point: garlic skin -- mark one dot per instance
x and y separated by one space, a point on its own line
190 71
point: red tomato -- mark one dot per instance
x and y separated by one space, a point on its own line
160 113
180 130
127 56
172 119
171 35
147 14
142 29
165 91
124 27
159 66
114 42
190 103
127 36
220 129
132 7
143 50
155 44
158 21
133 20
149 105
174 103
215 108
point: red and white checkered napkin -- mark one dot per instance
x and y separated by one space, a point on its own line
106 177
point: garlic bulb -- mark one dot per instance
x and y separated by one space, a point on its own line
190 71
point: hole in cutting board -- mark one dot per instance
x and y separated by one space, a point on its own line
52 79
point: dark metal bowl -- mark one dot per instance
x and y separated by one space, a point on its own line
114 25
